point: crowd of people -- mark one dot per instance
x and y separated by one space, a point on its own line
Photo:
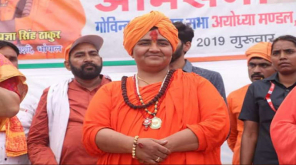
169 112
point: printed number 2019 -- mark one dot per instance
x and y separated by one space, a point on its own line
216 41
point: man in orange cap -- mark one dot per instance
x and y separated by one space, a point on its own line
158 115
55 136
259 67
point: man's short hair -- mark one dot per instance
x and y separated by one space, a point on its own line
9 44
185 32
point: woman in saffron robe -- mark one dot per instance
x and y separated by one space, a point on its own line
282 130
283 126
158 115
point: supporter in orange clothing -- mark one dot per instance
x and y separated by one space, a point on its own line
282 130
259 67
41 17
158 115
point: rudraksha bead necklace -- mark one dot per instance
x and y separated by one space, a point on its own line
141 99
155 122
156 98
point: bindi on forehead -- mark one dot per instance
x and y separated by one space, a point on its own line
154 35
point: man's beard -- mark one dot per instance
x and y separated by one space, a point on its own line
177 54
84 74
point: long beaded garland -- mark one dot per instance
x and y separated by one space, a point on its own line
156 98
141 99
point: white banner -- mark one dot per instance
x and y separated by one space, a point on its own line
221 27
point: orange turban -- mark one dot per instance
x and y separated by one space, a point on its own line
261 50
139 26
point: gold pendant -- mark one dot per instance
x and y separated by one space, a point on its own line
156 123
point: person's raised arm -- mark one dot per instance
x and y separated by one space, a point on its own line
9 103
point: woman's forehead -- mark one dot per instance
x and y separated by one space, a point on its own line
153 34
283 44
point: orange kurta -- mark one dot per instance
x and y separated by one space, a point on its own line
190 102
235 102
283 130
